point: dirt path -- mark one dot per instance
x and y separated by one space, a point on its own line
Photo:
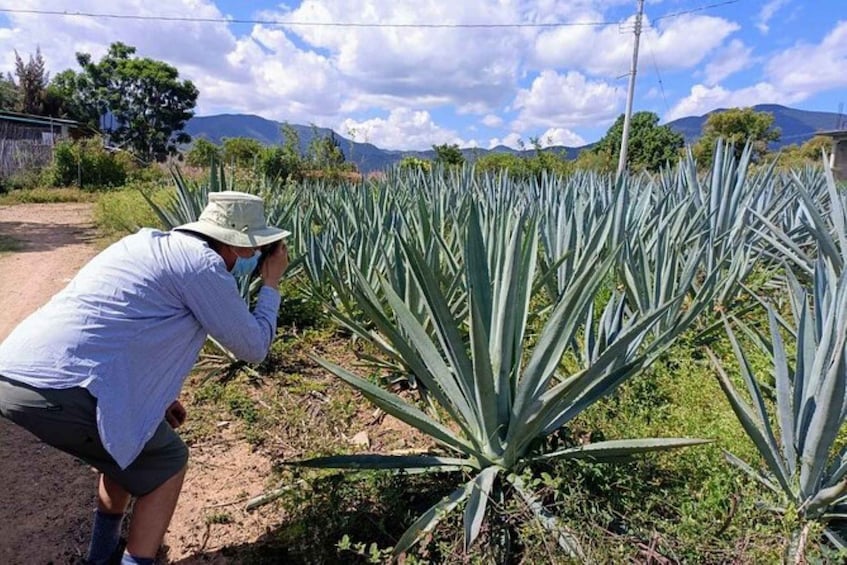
47 497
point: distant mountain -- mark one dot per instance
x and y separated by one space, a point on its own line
797 126
367 156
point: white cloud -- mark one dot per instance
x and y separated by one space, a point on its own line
727 61
703 99
806 69
403 129
492 121
568 100
560 136
767 12
675 43
183 44
513 140
422 67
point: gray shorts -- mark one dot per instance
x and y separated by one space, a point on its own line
67 420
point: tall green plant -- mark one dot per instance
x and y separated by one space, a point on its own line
496 395
798 438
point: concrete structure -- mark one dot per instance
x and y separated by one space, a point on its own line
838 153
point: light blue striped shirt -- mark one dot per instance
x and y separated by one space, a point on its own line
129 328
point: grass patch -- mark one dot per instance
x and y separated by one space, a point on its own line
45 195
121 212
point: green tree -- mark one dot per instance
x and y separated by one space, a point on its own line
412 163
9 94
448 154
325 152
140 102
32 78
650 147
497 161
241 151
809 153
738 126
202 153
72 91
283 161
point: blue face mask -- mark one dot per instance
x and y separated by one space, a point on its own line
244 267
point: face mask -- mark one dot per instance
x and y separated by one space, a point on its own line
244 267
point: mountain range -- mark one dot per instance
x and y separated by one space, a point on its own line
796 126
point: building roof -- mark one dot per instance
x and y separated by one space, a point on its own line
37 120
834 133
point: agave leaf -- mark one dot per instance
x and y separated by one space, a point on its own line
785 411
566 540
431 517
752 473
557 333
614 449
399 409
448 334
751 424
475 509
835 538
824 498
431 368
377 461
825 421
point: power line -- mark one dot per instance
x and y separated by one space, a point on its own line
694 10
192 19
297 22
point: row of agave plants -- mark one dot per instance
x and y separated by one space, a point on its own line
514 306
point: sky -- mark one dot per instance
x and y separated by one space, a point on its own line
409 74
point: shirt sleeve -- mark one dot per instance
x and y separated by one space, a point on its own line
212 297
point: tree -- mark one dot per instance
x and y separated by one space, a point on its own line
241 151
140 102
650 147
737 126
283 162
810 153
448 154
498 161
411 163
325 152
9 94
32 78
72 90
202 153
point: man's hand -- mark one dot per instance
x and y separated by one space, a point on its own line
175 414
274 266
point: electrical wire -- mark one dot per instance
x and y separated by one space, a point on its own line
297 22
192 19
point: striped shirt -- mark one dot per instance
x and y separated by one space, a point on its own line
129 328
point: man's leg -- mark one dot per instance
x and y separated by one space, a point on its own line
111 497
151 516
112 501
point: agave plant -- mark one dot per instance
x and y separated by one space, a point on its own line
495 396
803 465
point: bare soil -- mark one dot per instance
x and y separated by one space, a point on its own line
47 497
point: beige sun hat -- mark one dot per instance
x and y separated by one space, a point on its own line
235 218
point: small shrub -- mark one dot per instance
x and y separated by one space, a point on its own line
86 163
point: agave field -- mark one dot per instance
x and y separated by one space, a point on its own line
496 312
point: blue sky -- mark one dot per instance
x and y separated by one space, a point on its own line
553 70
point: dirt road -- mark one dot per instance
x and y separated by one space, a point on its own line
47 497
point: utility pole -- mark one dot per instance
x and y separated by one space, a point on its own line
629 95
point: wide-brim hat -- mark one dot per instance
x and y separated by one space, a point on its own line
235 218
